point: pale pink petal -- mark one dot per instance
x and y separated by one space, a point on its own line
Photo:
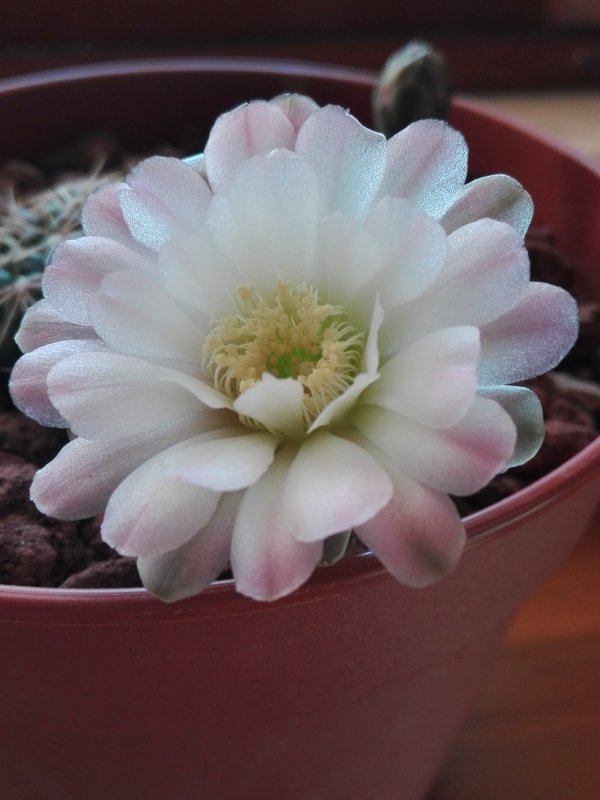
267 561
276 403
43 324
485 275
150 512
77 269
80 480
296 107
348 159
531 338
413 249
256 128
136 316
102 215
187 570
225 462
163 195
106 395
418 536
498 197
526 412
459 460
28 385
433 380
333 485
427 164
265 222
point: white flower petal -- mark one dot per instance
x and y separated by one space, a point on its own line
265 221
418 536
276 403
433 380
338 408
531 338
28 386
459 460
348 258
197 274
136 316
102 215
485 275
526 412
267 561
77 269
163 195
42 324
427 164
150 513
107 395
348 159
333 485
225 462
255 128
79 481
188 569
498 197
413 249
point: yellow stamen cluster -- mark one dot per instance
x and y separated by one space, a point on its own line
290 334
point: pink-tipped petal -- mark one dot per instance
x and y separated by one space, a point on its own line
28 381
77 269
433 380
418 536
102 216
276 403
267 561
498 197
348 159
531 338
150 513
42 324
224 463
79 481
332 486
136 316
485 275
249 130
458 460
162 196
427 164
526 412
106 395
187 570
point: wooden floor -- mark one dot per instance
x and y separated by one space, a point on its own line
535 732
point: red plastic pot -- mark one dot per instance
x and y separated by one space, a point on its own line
353 687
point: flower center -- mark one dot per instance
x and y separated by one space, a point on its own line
291 334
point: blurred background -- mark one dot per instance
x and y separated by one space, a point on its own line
494 45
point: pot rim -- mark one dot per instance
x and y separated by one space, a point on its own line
481 526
